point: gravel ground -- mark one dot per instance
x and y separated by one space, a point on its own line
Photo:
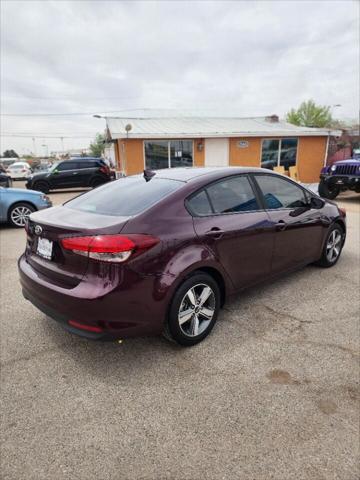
273 393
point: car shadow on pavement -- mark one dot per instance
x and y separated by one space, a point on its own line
246 316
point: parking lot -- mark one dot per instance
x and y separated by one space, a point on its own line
272 393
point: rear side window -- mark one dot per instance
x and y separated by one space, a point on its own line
83 165
232 195
199 204
280 193
124 197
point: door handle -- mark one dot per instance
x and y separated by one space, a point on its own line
215 232
75 173
281 225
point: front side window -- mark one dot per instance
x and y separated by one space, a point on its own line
280 193
168 154
66 166
232 195
277 153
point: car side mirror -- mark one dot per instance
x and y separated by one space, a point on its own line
55 172
316 203
299 210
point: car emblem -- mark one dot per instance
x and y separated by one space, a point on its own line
38 229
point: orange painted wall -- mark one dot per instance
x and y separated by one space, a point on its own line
310 159
131 155
245 157
310 156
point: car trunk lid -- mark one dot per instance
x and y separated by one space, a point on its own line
47 228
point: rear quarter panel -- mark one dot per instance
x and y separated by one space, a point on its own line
179 252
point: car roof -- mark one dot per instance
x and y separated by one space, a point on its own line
18 163
186 174
84 158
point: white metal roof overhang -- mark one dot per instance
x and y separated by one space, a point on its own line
191 127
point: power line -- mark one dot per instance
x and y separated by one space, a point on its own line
77 114
29 135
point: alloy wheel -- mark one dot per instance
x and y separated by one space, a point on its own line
197 309
19 215
333 246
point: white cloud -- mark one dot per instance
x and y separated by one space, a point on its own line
244 58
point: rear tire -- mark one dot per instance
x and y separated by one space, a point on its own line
193 310
96 182
41 186
332 247
18 214
327 191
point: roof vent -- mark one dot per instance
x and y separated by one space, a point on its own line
272 118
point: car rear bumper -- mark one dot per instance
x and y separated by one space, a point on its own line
130 307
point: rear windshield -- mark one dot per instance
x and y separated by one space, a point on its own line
124 197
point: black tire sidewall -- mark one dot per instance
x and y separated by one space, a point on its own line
324 262
326 192
41 186
173 327
97 182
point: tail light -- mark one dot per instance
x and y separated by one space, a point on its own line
109 248
343 211
104 169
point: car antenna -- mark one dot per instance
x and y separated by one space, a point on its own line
148 174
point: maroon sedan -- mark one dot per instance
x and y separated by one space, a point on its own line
160 252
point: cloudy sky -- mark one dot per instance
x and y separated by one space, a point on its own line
70 60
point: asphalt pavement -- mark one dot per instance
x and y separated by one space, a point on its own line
273 393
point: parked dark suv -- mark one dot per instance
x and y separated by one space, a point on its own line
76 172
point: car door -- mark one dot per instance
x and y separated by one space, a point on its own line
230 221
87 169
65 175
3 205
298 230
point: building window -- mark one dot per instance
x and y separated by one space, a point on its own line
156 154
168 154
277 153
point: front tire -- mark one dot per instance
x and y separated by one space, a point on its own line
19 213
193 310
332 247
328 191
41 186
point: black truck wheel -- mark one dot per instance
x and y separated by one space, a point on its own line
328 191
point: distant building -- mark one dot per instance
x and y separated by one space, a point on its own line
259 141
77 152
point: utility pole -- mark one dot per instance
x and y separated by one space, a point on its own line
34 146
62 145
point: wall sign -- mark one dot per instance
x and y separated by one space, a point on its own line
243 144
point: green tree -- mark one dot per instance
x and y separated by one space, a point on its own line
10 154
98 145
310 115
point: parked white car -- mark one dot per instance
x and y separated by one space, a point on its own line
19 170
